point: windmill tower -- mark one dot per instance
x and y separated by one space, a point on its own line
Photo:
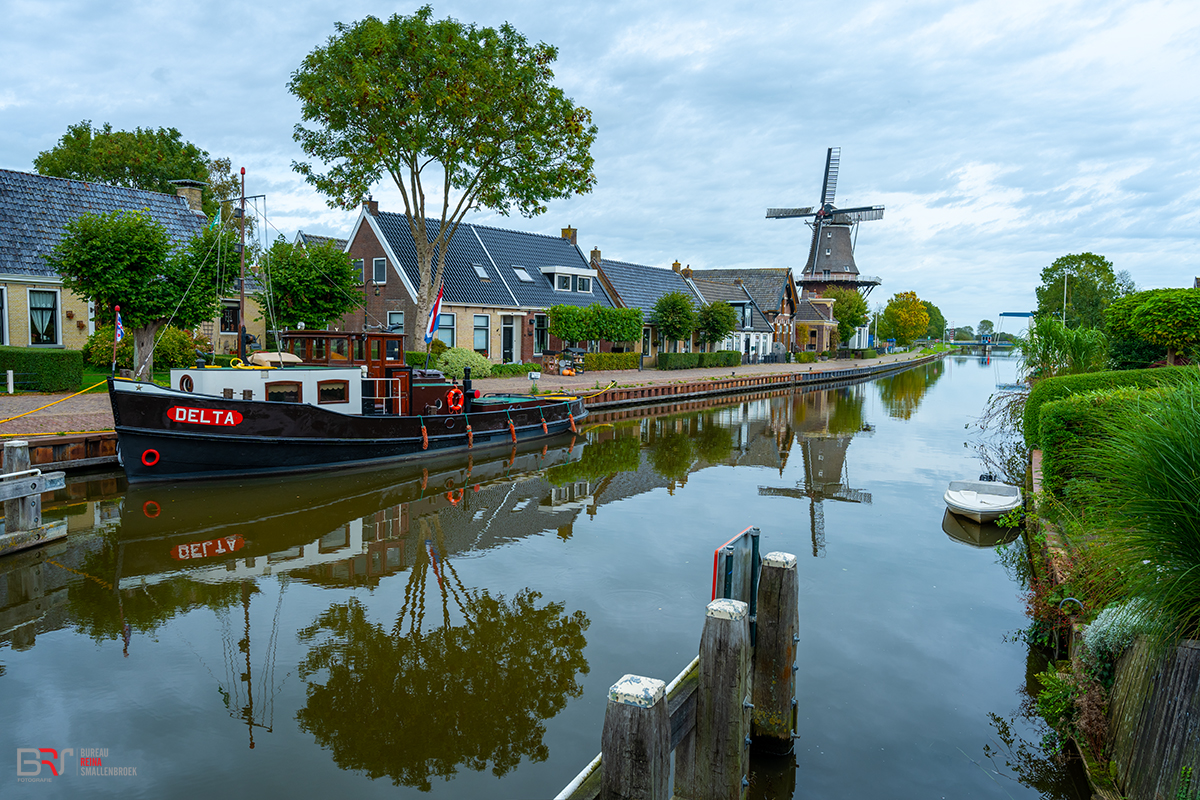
835 230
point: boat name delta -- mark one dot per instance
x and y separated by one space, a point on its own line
204 416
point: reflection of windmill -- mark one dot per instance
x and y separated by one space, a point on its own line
831 256
824 479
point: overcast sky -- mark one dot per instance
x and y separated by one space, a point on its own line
1000 135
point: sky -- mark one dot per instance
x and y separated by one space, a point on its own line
999 135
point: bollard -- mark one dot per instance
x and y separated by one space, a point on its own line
774 717
9 380
721 750
25 513
635 747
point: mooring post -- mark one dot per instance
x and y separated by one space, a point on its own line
774 681
723 707
635 747
24 513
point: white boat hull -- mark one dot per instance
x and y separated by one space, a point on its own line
982 501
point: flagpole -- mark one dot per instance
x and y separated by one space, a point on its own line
115 324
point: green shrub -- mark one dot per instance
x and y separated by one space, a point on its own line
456 359
720 358
173 349
508 370
869 353
437 347
678 360
416 358
1065 385
807 357
1067 425
44 370
598 361
1115 629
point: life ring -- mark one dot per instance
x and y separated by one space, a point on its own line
455 399
455 496
151 509
185 383
150 458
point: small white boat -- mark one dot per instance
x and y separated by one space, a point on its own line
982 501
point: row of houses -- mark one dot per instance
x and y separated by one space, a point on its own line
498 283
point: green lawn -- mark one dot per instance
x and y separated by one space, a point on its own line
93 375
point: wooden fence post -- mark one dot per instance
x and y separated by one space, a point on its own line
25 513
778 629
721 754
635 747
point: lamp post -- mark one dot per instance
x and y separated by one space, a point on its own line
1064 311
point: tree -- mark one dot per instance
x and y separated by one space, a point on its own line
674 317
313 284
143 158
471 109
937 322
714 322
1126 349
986 327
1091 286
964 333
906 317
568 323
601 323
849 309
126 258
1170 319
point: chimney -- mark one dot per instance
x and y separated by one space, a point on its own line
595 257
686 271
371 206
676 266
191 191
570 234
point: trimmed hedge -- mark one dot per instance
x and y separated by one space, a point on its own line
1069 425
594 362
1049 389
869 353
721 358
678 360
47 370
807 357
509 370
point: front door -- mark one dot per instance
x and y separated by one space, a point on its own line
507 338
375 356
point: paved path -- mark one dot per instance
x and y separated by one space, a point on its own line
92 412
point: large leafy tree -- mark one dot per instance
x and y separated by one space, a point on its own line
1090 287
1169 319
986 327
906 317
1126 348
313 284
126 258
714 322
849 309
964 333
143 158
674 316
471 111
602 323
937 322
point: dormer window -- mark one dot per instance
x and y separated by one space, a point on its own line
564 283
585 285
522 274
570 279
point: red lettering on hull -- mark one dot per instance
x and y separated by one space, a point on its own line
212 547
204 416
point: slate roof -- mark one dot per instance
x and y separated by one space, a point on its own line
767 286
34 210
807 312
715 292
316 241
496 250
640 286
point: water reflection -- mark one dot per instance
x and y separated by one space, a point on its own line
976 534
902 393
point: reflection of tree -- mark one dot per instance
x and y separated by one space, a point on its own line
714 442
671 453
411 705
622 454
902 393
846 415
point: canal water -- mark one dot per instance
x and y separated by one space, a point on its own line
454 634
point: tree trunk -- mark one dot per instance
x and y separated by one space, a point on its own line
143 350
1170 356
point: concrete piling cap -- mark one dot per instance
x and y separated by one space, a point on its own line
635 690
728 609
778 559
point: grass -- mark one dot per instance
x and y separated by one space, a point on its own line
92 375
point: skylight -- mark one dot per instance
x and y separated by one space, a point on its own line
522 275
479 270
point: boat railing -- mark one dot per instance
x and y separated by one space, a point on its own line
382 397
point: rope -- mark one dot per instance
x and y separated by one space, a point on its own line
56 402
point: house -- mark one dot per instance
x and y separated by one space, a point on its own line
639 286
497 285
753 335
305 239
35 309
793 322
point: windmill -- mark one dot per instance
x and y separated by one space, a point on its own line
831 257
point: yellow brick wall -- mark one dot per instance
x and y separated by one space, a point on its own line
464 329
16 316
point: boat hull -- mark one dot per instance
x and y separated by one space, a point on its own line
982 501
220 438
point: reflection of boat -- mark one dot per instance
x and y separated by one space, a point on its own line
307 418
982 501
976 534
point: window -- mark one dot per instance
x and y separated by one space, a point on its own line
43 317
564 283
585 285
522 275
646 341
828 251
482 324
747 315
229 318
358 265
284 392
825 274
541 334
445 329
480 271
828 234
396 321
379 270
333 392
318 349
339 349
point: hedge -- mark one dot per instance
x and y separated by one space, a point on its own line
807 357
46 370
678 360
599 361
508 370
1044 391
1067 426
721 358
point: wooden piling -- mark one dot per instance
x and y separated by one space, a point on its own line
635 747
24 513
774 680
721 753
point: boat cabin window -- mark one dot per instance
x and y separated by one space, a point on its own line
339 349
318 349
358 350
374 350
393 351
333 392
284 391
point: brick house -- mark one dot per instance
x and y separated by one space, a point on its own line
793 322
640 286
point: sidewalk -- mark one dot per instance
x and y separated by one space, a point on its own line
92 412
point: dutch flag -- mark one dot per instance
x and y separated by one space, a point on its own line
434 313
120 325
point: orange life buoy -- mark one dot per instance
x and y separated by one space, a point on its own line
454 498
454 399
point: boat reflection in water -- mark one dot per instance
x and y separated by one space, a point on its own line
977 534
